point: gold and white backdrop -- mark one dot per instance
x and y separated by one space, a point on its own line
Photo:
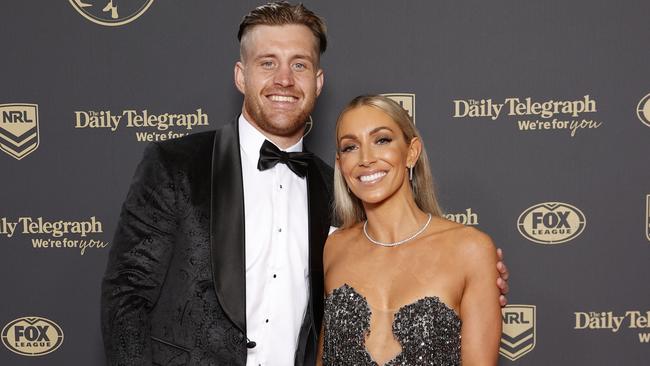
535 114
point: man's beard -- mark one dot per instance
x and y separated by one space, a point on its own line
290 125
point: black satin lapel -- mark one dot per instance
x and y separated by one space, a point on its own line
319 223
227 225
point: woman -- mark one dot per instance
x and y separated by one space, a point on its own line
400 279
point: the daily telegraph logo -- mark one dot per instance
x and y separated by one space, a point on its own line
551 223
111 12
519 335
32 336
469 217
79 235
643 110
165 126
633 320
406 100
531 114
19 129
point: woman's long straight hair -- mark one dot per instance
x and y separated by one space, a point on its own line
348 209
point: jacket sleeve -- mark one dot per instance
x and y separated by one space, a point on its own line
138 262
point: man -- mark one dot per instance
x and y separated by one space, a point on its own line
217 259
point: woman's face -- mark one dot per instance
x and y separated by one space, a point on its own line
373 155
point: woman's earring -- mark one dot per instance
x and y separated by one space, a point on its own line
411 173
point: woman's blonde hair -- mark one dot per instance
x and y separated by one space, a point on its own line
348 209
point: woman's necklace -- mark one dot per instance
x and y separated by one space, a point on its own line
365 231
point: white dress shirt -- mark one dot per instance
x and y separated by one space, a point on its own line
277 253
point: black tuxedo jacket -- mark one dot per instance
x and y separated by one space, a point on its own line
174 291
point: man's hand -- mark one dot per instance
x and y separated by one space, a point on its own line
502 281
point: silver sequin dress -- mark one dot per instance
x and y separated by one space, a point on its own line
427 330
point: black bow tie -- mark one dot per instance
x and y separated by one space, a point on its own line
270 155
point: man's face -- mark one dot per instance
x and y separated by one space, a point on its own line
280 78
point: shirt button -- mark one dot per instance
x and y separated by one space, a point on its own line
280 186
274 276
267 320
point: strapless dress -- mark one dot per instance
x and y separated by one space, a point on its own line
427 330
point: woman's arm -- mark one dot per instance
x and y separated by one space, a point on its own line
480 310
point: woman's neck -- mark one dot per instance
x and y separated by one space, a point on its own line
395 218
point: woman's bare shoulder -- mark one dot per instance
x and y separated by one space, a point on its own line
339 235
339 240
475 248
465 240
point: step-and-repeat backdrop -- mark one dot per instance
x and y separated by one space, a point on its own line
536 116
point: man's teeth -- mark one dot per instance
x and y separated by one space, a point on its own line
371 177
282 98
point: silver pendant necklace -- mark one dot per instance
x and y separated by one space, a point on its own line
394 244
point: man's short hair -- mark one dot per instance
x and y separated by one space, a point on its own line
283 13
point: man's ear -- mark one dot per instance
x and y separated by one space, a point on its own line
320 80
240 79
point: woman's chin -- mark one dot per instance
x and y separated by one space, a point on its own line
378 195
373 198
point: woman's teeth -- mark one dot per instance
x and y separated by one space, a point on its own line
371 177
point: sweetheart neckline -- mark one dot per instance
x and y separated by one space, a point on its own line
399 310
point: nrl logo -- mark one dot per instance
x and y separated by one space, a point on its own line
111 13
18 129
519 335
406 100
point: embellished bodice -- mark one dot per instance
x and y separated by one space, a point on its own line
427 330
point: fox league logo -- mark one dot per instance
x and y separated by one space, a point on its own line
111 12
32 336
406 100
18 129
519 335
551 223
